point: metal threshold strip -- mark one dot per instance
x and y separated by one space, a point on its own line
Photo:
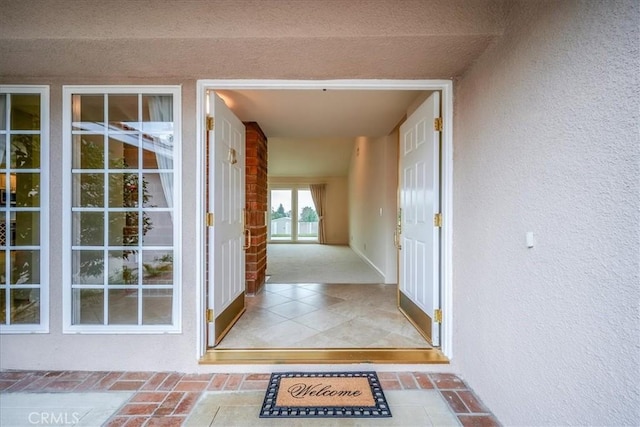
323 355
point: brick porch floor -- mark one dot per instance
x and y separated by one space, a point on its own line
167 398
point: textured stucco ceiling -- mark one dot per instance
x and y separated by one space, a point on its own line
302 39
118 40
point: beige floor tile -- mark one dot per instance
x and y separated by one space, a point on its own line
243 339
399 341
342 315
352 309
321 300
321 320
292 309
287 334
358 332
323 340
266 299
296 292
256 319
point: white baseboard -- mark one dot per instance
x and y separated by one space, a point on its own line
368 261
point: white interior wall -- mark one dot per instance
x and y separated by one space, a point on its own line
372 202
336 217
546 140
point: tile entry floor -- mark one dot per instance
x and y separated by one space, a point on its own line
126 399
314 315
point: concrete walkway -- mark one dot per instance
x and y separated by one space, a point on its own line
81 398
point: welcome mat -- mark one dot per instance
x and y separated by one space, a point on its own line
324 395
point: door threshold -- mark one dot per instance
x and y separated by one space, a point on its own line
323 355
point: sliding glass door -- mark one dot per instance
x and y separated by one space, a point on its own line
280 218
307 217
293 216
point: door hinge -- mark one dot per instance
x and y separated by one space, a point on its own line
210 122
437 315
437 220
437 124
210 317
209 219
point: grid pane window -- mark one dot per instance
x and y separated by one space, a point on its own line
23 249
123 213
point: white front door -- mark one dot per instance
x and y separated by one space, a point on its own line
225 219
419 273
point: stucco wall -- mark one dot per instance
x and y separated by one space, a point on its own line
546 140
373 178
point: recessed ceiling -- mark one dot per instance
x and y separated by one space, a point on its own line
311 132
314 114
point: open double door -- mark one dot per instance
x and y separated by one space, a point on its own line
417 235
225 219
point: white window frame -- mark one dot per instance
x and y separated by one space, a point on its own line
67 92
43 91
295 210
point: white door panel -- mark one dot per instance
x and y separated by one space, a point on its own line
419 274
226 260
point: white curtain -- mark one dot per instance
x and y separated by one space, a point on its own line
318 195
161 111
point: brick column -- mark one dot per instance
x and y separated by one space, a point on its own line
256 204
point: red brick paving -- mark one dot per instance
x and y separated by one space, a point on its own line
126 385
407 380
447 381
188 403
478 421
454 401
167 398
423 380
155 381
471 401
218 382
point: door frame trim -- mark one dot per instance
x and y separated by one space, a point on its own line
446 242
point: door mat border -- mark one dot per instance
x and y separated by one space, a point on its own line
271 410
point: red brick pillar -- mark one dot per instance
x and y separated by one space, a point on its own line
256 204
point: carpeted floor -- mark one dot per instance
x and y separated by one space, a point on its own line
310 263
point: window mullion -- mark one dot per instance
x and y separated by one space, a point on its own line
140 212
105 249
294 213
7 214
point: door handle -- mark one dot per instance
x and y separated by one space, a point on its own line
247 239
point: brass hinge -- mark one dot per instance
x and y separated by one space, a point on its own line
437 124
209 315
210 122
437 315
437 220
209 219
